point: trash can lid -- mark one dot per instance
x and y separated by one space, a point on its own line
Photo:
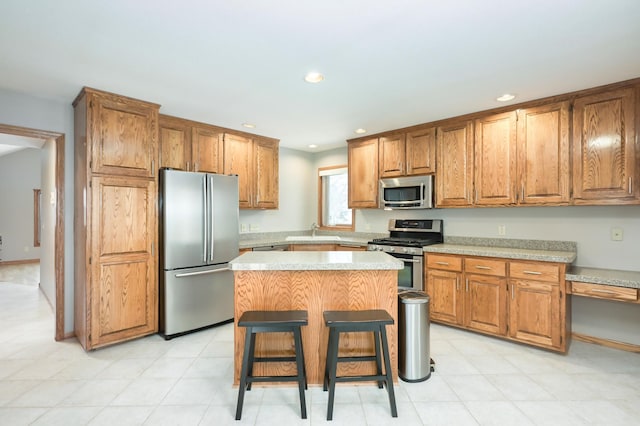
411 296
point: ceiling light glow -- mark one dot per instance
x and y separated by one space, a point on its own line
249 125
360 131
313 146
506 97
313 77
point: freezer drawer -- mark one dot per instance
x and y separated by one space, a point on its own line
194 298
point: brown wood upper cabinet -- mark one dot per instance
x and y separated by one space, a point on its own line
543 154
407 154
123 134
255 161
175 143
191 146
605 150
454 173
363 173
495 159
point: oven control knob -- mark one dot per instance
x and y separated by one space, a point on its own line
391 249
405 250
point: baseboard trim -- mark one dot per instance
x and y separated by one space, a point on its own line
629 347
69 335
19 262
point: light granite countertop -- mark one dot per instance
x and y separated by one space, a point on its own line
560 256
273 239
314 260
629 279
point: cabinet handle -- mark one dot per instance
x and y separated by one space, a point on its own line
512 295
442 263
532 272
458 283
486 268
467 290
630 185
522 199
476 191
187 169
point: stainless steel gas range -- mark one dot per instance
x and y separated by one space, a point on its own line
406 239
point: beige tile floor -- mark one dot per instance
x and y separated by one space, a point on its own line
187 381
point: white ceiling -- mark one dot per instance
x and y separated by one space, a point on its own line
10 143
388 64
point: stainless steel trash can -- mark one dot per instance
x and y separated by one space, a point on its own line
414 362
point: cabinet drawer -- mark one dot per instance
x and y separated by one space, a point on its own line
446 263
602 291
540 271
485 266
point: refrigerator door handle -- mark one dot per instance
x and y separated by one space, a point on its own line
206 221
211 216
211 271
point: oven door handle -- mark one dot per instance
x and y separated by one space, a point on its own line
410 260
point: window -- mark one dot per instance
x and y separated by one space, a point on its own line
333 198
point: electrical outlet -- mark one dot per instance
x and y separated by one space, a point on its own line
502 230
243 227
616 234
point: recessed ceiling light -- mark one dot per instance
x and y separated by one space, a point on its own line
506 97
313 77
313 146
360 131
249 125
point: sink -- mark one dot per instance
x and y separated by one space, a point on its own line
314 238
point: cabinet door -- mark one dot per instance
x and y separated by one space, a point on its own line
446 304
392 155
124 134
311 247
605 160
543 154
123 289
207 148
421 152
454 171
495 159
534 313
238 155
266 174
363 174
486 305
175 143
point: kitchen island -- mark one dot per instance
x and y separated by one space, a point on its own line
315 282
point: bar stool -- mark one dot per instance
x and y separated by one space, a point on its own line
272 322
358 321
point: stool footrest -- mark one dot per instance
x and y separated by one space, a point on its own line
275 359
360 378
272 379
356 358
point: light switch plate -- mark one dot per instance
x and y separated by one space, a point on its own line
617 234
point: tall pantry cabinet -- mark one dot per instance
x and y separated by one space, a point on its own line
115 218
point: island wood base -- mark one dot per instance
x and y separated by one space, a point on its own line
315 291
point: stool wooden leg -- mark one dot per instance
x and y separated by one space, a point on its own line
252 354
302 382
325 385
334 342
387 367
376 340
244 372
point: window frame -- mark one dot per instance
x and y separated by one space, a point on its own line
321 224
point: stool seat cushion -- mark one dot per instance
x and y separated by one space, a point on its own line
349 318
274 318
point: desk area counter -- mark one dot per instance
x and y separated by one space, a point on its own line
314 261
315 282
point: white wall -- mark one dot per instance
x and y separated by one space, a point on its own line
19 176
18 109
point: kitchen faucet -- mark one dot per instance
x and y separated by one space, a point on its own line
314 228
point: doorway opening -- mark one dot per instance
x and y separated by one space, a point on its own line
58 140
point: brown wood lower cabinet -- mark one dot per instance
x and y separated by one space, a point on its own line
522 301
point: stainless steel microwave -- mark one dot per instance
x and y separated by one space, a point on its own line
411 192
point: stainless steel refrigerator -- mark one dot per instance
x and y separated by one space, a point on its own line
198 236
